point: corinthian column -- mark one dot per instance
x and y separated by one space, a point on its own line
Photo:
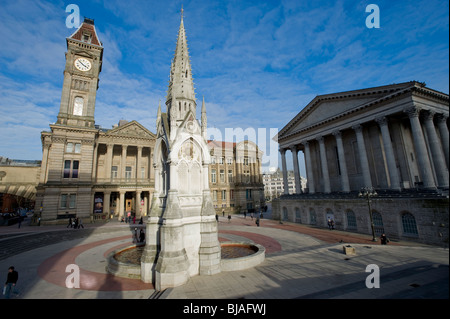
436 152
285 175
392 167
323 160
345 184
309 171
421 148
298 186
363 156
443 132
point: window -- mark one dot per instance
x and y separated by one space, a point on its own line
128 172
230 176
73 148
298 217
224 195
222 160
213 160
114 172
245 160
409 224
229 160
312 216
222 176
231 194
213 176
71 169
351 220
68 201
142 172
378 223
248 194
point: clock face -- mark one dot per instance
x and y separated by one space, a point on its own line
82 64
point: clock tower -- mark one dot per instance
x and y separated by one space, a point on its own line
81 76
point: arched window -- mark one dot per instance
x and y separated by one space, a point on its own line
298 217
351 220
285 214
378 223
409 224
312 216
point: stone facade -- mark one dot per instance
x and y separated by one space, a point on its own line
392 138
235 177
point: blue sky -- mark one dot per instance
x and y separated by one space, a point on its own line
257 63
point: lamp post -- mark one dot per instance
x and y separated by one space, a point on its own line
368 192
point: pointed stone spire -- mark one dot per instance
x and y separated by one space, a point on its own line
158 116
181 84
203 119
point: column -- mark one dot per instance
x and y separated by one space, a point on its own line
324 162
121 205
95 164
108 164
363 156
123 162
138 163
285 176
298 185
345 184
145 207
436 152
44 164
309 171
420 147
106 202
388 149
138 206
441 120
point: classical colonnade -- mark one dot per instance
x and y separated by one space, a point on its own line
436 154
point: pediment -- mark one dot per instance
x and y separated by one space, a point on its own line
324 108
133 129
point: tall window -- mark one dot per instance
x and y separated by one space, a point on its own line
351 220
224 195
222 176
142 172
128 172
245 160
378 223
229 160
231 194
114 172
68 201
409 224
222 160
213 176
298 216
248 194
71 169
312 216
230 176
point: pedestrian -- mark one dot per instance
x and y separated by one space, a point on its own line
329 223
332 224
251 215
384 240
75 223
80 224
135 239
129 217
141 221
141 236
70 223
217 217
229 218
20 220
10 284
223 213
245 214
134 219
257 221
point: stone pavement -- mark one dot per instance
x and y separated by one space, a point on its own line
301 262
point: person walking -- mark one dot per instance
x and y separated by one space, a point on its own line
141 236
80 224
75 225
257 221
229 218
70 223
223 213
217 218
329 223
11 281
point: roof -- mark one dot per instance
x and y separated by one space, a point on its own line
86 26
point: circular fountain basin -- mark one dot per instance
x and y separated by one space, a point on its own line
239 256
126 262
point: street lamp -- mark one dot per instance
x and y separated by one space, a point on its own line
368 192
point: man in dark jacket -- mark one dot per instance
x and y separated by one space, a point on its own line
11 281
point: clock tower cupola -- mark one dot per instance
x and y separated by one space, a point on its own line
81 76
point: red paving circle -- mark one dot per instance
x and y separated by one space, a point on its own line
53 269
